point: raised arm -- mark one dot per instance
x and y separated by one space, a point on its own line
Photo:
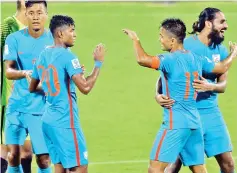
85 84
223 66
142 57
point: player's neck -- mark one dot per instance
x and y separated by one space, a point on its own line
34 33
59 43
177 47
20 15
203 37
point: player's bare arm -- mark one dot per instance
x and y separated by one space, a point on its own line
223 66
162 99
85 84
143 58
34 85
12 73
203 84
159 86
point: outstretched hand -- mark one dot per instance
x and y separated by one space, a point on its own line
131 34
202 85
233 48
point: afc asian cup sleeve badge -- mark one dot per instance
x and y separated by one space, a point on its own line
216 58
75 63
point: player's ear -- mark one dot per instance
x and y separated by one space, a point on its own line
208 24
59 33
173 41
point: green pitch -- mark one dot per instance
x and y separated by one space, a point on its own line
119 130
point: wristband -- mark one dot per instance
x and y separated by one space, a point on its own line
98 64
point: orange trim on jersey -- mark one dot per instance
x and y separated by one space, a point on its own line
55 81
160 144
187 74
72 125
195 74
170 109
43 75
155 64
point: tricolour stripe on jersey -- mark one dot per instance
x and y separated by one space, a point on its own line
170 109
72 125
160 144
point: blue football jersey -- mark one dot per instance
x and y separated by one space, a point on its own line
206 99
55 69
25 50
178 70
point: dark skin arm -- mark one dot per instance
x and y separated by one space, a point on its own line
85 85
34 85
12 73
223 66
159 86
161 99
219 87
221 84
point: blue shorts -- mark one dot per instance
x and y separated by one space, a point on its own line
18 125
215 133
66 146
186 143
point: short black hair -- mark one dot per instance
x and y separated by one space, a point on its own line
18 4
208 14
59 21
31 2
176 27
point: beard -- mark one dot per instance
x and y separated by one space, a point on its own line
215 37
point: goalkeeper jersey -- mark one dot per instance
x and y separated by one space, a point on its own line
9 25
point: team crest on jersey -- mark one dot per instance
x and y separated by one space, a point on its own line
6 50
75 63
216 58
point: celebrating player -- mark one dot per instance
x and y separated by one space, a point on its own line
211 26
181 132
12 24
59 70
24 111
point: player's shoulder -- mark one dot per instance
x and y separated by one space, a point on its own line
48 34
165 55
18 34
222 48
9 20
69 53
190 39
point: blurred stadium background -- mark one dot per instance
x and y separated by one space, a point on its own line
120 118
